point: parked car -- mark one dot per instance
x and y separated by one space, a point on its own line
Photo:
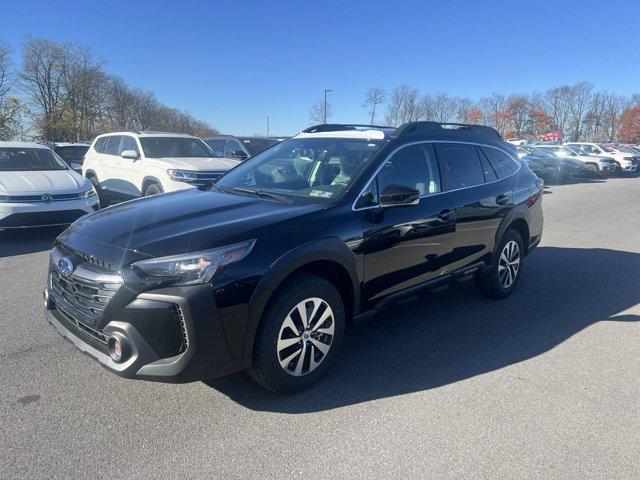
536 165
37 188
563 168
239 148
627 162
72 153
125 165
263 269
597 166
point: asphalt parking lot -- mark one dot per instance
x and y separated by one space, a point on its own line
542 384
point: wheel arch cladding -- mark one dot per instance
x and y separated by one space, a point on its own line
148 180
330 259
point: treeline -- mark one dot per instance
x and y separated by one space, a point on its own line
62 92
579 111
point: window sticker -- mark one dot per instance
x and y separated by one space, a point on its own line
320 193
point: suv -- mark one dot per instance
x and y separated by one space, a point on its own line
124 165
240 148
626 161
262 269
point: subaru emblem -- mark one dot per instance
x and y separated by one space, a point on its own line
65 267
47 198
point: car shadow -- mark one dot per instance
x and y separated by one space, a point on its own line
28 240
458 334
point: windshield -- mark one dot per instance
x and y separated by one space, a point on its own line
256 145
29 159
73 154
159 147
313 168
606 149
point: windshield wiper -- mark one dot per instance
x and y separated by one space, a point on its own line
262 193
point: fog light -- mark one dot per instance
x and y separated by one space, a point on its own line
118 348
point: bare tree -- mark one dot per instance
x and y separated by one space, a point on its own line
557 105
317 112
612 107
375 97
580 101
10 106
45 65
403 106
439 108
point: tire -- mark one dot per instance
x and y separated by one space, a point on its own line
498 281
152 189
276 366
104 202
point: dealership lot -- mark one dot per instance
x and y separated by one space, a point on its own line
541 384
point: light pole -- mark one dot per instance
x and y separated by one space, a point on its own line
268 126
325 105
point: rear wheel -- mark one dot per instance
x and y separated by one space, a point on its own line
152 189
299 335
503 275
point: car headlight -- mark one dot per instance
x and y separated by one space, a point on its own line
90 192
182 175
4 199
193 268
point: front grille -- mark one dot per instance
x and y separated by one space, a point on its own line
38 198
203 178
83 295
40 219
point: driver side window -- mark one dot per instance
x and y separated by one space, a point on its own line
414 166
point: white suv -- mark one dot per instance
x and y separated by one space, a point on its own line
627 162
124 165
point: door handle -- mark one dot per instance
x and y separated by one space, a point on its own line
502 199
445 215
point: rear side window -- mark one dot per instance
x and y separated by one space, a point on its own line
487 169
502 163
460 165
99 146
113 144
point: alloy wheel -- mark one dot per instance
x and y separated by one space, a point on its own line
305 336
509 264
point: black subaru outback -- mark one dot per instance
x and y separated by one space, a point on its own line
263 269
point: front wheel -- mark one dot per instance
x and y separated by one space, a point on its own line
299 335
503 275
101 194
152 189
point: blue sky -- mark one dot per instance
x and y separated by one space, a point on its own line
232 63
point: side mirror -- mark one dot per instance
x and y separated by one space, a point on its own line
239 154
399 195
130 154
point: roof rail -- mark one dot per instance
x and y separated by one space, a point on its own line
417 128
339 127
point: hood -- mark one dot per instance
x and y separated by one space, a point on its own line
51 181
199 163
184 221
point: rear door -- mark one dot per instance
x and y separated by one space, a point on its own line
405 246
479 178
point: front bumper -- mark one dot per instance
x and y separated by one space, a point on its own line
145 324
40 214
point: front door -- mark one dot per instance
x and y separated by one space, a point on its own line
406 245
